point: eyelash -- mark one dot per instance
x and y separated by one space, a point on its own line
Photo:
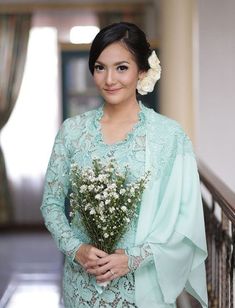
98 67
120 68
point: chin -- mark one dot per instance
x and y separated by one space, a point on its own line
113 100
110 102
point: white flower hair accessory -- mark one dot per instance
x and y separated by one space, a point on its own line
146 84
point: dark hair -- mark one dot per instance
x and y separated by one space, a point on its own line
133 38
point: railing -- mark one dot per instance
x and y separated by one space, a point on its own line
219 209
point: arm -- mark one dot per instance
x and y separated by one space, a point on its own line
53 205
55 191
139 256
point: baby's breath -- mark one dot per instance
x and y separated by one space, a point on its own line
105 201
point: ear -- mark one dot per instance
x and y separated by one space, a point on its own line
141 74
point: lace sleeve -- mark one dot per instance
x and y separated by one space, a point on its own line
55 191
139 256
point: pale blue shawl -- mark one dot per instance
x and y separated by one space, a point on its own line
171 218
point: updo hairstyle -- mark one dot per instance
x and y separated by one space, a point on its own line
130 35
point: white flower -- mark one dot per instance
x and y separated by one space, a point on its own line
100 211
115 195
102 177
92 211
147 83
153 60
87 206
105 194
153 74
101 205
98 197
112 186
132 190
122 191
91 187
91 178
83 188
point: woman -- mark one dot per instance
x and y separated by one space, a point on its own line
163 251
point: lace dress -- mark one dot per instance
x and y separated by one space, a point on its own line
79 141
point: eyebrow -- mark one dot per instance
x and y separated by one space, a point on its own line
117 63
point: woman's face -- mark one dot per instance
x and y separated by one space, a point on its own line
116 74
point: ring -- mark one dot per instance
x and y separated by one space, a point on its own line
112 272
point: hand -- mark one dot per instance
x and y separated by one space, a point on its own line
109 267
87 253
120 251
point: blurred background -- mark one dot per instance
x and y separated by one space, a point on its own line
44 79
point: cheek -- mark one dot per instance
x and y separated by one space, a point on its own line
131 79
97 80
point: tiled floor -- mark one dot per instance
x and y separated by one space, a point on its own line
30 271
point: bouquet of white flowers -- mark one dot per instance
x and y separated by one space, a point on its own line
105 201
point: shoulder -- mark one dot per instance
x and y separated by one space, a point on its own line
162 123
78 122
78 119
164 130
73 128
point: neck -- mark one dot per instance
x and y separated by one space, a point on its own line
121 111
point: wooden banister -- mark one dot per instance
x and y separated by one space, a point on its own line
220 233
221 193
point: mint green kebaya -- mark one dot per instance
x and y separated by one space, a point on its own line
166 243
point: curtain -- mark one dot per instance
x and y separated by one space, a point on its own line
14 34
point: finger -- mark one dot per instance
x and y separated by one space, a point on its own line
103 261
96 271
105 277
92 267
99 270
100 253
120 251
92 271
92 263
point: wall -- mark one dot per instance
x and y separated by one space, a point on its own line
40 99
176 55
216 100
71 1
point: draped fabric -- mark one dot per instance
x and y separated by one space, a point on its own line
171 220
14 34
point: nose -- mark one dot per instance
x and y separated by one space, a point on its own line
110 77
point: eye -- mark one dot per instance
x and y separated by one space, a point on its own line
98 67
122 68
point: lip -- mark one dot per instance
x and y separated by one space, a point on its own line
111 91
